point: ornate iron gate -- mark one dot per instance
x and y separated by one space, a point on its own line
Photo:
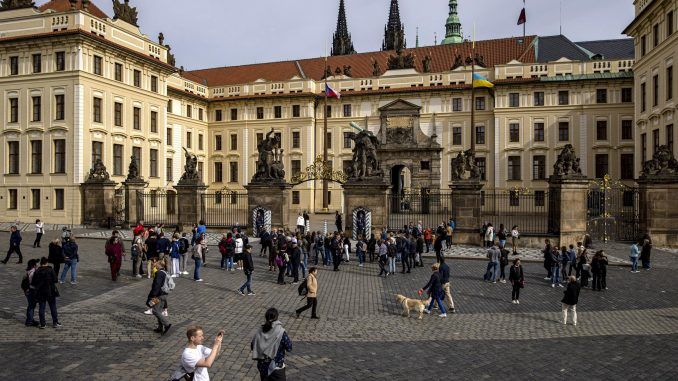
613 211
119 216
225 209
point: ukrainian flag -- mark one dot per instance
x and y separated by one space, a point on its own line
481 82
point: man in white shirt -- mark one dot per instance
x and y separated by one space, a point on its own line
301 224
196 357
238 250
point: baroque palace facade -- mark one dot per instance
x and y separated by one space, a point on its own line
78 85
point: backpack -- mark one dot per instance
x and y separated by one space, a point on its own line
303 288
168 286
183 245
25 284
392 250
222 247
279 261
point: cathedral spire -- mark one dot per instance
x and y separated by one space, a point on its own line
342 44
394 32
453 26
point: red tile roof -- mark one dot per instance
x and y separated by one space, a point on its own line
65 6
495 52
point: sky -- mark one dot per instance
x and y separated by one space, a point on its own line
214 33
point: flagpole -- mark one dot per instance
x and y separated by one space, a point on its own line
324 140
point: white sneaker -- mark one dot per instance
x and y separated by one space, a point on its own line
513 301
164 313
517 301
175 275
427 311
443 315
564 323
547 278
185 273
553 285
198 280
503 281
148 312
560 285
138 276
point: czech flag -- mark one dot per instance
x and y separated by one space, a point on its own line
481 82
331 93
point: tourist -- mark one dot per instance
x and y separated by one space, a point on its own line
515 236
269 346
56 255
445 281
307 221
588 242
336 248
238 250
440 237
502 235
113 250
449 230
346 244
492 271
29 292
163 246
556 261
392 252
312 294
428 238
39 230
175 255
584 268
599 270
645 252
71 259
281 263
295 255
194 234
372 247
489 235
503 262
338 221
517 279
301 224
248 269
183 250
565 263
548 249
157 298
570 300
222 250
435 291
14 245
151 251
138 251
360 251
419 259
44 283
201 228
65 235
382 258
197 255
409 250
265 241
635 253
196 359
572 260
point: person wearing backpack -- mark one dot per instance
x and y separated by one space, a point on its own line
248 269
222 251
311 293
183 250
238 250
157 297
30 292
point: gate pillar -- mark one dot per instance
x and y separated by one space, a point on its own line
369 195
273 196
568 191
466 200
189 200
658 188
98 194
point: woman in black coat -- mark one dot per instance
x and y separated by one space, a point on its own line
646 251
435 289
517 279
56 255
44 282
570 299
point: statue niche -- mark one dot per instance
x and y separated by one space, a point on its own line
269 164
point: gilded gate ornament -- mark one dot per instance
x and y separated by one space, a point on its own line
319 170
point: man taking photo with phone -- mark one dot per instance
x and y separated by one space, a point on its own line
196 358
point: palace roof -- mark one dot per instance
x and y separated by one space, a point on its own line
65 6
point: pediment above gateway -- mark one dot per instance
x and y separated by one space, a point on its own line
400 105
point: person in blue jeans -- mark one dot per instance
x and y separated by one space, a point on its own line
248 269
197 257
435 290
556 261
493 256
71 260
30 292
635 253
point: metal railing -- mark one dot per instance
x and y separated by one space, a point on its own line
429 208
158 207
225 209
528 209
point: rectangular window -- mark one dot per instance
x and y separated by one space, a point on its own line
296 167
218 172
154 163
456 104
425 165
97 152
169 106
627 95
627 129
260 137
189 139
655 141
217 143
514 168
234 142
37 63
217 116
538 98
58 199
13 199
456 136
37 109
514 100
13 65
643 45
601 96
602 166
563 131
669 137
59 156
234 114
328 140
295 198
347 111
137 118
14 110
480 103
296 139
36 156
539 167
669 83
260 113
169 169
643 97
60 107
13 158
627 170
348 143
118 72
539 198
328 111
480 134
118 114
655 35
189 111
136 152
539 132
137 78
117 159
514 132
669 24
168 136
154 84
98 65
601 130
201 114
35 199
563 98
60 61
655 91
96 110
643 147
277 112
481 163
296 111
201 146
234 171
154 121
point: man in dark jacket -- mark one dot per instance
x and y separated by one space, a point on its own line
46 292
335 248
248 269
338 222
547 258
570 299
14 245
441 236
71 260
157 299
296 260
445 282
164 246
435 290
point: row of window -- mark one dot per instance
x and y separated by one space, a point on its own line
36 63
219 172
655 141
656 34
278 112
563 98
35 199
59 107
119 74
189 110
655 90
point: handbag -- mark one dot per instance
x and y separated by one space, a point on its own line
522 283
55 291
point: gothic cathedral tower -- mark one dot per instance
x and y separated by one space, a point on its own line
394 32
342 44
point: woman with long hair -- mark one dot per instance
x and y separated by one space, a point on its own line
114 253
269 346
517 279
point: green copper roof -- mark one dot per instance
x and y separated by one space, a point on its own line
453 26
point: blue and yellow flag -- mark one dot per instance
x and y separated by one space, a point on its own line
481 82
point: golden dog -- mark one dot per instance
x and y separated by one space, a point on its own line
408 304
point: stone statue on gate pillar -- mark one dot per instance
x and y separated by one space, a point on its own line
464 167
365 162
663 165
125 12
191 175
567 165
269 163
98 173
7 5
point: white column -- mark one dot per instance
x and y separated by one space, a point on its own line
78 133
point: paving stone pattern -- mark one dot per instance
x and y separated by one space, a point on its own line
627 332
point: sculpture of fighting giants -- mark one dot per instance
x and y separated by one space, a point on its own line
365 163
567 163
190 168
464 166
663 164
270 164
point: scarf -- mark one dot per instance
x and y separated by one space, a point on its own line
265 344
